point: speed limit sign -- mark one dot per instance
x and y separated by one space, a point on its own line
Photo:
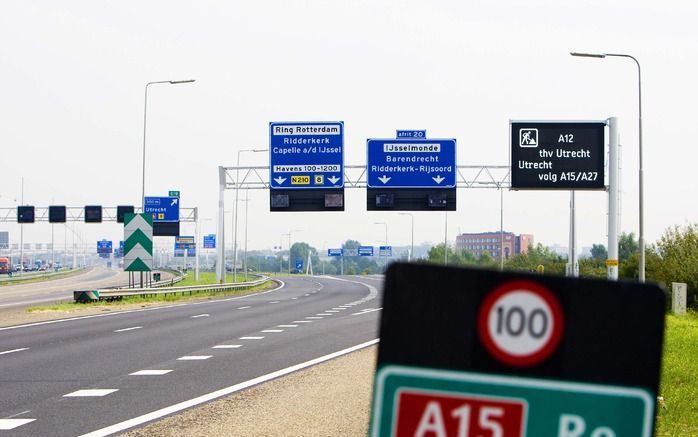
520 323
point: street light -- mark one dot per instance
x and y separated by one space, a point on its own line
641 183
145 118
412 219
235 220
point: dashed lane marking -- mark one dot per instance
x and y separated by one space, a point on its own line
200 315
194 357
227 346
323 314
8 424
251 338
129 329
273 330
148 417
14 350
152 372
274 301
286 326
244 308
97 392
366 311
302 321
314 318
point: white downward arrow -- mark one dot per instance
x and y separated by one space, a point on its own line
279 180
333 180
384 179
438 179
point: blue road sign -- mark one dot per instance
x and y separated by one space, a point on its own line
104 246
411 163
299 265
365 250
210 241
334 252
306 155
385 251
411 134
163 209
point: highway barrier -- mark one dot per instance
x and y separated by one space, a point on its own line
161 288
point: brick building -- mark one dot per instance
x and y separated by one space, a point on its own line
490 242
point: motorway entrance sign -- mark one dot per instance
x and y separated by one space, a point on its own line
411 163
306 155
138 242
469 352
558 155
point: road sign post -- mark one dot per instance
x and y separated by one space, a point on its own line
138 243
469 352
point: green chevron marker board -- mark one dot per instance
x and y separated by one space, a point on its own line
138 242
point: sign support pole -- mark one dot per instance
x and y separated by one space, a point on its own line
572 263
220 237
613 210
196 242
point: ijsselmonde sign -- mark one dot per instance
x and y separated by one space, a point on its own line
411 163
557 155
306 155
467 353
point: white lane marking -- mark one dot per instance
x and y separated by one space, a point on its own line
273 330
8 424
91 393
244 308
294 298
339 308
18 414
323 314
314 318
302 321
129 329
164 307
251 338
227 346
306 294
200 315
286 326
121 426
14 350
194 357
152 372
332 311
366 311
275 301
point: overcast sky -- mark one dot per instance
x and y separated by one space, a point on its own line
72 75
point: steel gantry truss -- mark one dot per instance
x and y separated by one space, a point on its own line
467 176
77 214
257 178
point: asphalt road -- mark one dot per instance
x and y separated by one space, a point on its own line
307 318
34 293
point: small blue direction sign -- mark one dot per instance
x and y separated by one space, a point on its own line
334 252
411 163
104 246
365 250
306 155
185 242
210 241
163 209
299 265
385 251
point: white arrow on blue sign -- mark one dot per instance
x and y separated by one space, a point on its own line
411 163
306 155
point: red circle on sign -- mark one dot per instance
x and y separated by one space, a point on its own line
552 341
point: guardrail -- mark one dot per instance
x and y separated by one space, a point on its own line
118 294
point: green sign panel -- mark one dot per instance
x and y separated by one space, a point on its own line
173 194
412 401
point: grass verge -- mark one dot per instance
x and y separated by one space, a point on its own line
678 416
17 280
153 299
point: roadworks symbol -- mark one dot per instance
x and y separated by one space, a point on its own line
528 137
